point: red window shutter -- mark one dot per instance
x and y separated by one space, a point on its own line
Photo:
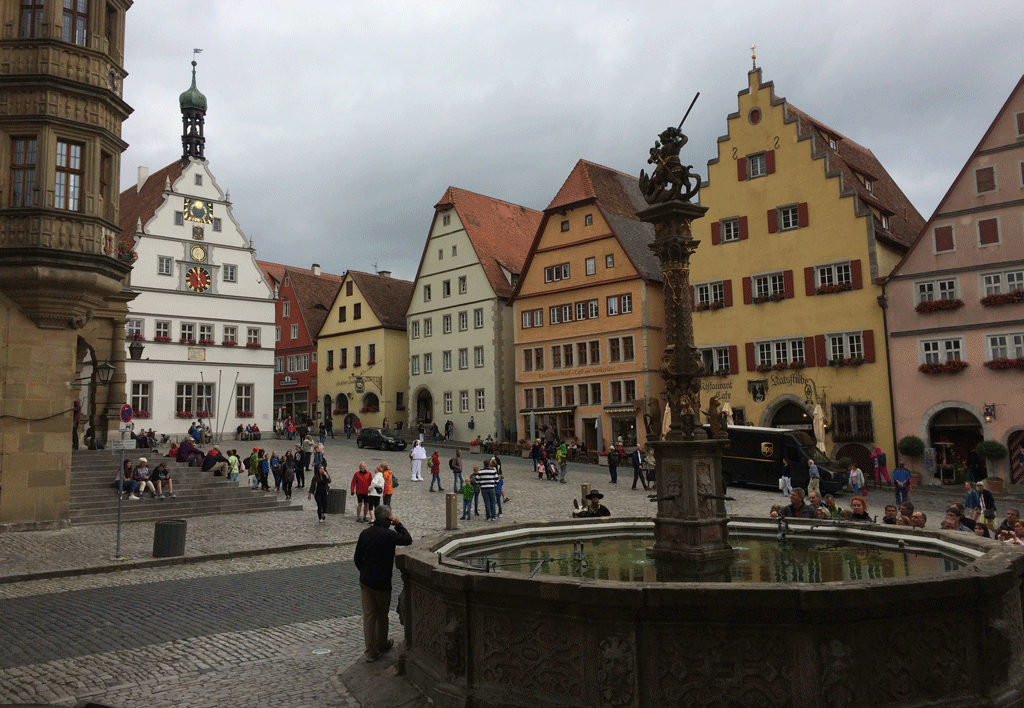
751 362
801 210
988 231
734 359
819 350
856 278
769 162
809 281
869 345
787 280
693 300
715 237
727 288
741 169
943 238
809 354
773 221
985 179
748 296
743 228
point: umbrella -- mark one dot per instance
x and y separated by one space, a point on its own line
666 421
819 426
727 409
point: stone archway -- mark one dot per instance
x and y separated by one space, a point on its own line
861 457
788 411
424 406
370 402
954 430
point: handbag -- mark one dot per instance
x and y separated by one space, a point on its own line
394 483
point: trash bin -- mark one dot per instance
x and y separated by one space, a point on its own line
169 538
336 501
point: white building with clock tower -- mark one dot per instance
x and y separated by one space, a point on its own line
203 310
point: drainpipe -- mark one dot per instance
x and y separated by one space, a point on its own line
884 304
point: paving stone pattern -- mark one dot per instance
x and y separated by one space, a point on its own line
229 624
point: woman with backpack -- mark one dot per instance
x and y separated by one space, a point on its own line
288 474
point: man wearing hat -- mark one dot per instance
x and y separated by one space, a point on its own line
594 506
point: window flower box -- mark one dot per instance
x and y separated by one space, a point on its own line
135 338
126 253
936 305
229 343
717 372
369 409
186 340
371 362
704 306
143 414
253 345
207 342
1010 298
853 361
399 408
204 414
339 411
161 338
798 364
183 414
774 297
832 289
950 367
243 414
342 366
329 368
1003 364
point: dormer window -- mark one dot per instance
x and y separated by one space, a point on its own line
833 143
885 223
867 184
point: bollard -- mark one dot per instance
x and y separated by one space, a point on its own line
451 511
336 501
169 538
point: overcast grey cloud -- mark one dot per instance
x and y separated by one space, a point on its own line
337 125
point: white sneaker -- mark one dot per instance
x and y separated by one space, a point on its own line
133 497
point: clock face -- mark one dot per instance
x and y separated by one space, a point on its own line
199 210
198 253
198 279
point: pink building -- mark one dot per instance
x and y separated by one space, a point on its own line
956 311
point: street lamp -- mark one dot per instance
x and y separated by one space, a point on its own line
135 349
105 372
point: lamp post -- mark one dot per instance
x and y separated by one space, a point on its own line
135 349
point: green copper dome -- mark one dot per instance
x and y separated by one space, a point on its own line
193 98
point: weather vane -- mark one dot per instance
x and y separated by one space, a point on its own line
753 55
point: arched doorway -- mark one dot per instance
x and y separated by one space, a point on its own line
328 408
425 407
860 456
1016 446
953 433
794 417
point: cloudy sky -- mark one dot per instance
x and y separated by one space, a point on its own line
338 127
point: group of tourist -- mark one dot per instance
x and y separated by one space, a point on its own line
136 480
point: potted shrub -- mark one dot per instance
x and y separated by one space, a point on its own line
992 451
912 446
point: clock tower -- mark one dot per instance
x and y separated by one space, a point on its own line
193 115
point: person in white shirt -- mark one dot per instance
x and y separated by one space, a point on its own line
417 456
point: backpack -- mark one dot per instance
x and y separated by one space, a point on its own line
451 464
613 458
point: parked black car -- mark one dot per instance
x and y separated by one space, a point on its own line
379 438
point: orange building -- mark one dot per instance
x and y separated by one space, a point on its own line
589 314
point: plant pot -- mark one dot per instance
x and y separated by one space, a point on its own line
915 479
994 485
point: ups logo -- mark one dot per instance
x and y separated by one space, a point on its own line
767 449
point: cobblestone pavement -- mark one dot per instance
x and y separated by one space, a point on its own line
232 624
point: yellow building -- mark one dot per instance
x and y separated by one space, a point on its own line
589 314
362 352
801 222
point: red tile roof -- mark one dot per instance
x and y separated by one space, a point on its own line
141 204
501 233
315 295
275 272
852 159
388 297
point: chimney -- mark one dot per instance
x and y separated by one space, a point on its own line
384 273
143 176
316 269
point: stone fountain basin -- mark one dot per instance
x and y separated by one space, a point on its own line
503 639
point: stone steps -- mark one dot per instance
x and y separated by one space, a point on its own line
94 499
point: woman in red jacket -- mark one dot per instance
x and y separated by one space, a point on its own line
435 471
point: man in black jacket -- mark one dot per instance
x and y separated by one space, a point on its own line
215 462
375 559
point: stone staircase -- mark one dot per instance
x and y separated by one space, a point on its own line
94 499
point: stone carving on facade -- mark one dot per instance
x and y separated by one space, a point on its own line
652 419
530 654
615 677
839 681
455 649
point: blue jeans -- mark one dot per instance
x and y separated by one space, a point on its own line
459 483
489 503
129 487
476 501
436 477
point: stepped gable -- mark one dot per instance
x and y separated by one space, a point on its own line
501 233
315 295
851 159
388 297
140 205
619 199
